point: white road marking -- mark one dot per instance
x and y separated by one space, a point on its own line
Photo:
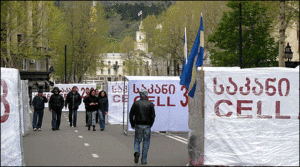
80 137
179 137
86 144
76 131
95 155
175 138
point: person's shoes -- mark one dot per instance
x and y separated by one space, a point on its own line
53 129
86 125
144 163
74 125
89 128
70 125
102 129
39 129
94 128
57 128
136 157
34 129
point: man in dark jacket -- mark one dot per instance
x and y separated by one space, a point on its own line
74 100
56 104
38 103
142 116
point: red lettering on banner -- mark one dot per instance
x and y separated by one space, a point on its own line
215 85
158 102
157 92
48 96
234 86
124 98
247 86
270 87
260 86
137 89
164 89
144 87
114 98
259 111
83 91
240 108
173 86
5 117
185 94
168 102
278 116
217 110
134 100
287 86
151 89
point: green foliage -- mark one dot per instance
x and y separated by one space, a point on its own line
259 48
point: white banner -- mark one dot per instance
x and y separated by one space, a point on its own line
65 89
117 99
252 117
169 98
11 154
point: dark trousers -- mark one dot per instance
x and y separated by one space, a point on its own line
56 116
86 117
73 116
37 118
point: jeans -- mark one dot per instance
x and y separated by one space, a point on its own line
102 119
56 116
91 118
142 132
37 115
73 116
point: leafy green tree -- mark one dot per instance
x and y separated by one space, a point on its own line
26 28
259 49
85 35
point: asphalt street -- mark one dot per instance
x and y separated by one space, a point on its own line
76 146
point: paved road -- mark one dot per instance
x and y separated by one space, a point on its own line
79 147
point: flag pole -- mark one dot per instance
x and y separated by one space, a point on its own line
202 83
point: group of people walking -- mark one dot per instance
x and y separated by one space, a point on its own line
142 114
96 104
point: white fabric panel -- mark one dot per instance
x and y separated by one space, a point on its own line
168 98
116 100
11 153
237 140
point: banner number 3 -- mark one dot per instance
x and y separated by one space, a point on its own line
4 118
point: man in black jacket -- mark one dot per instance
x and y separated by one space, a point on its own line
142 116
56 104
74 100
38 103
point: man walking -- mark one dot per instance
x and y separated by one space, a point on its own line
56 104
142 116
74 100
38 103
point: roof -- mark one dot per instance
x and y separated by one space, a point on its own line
152 78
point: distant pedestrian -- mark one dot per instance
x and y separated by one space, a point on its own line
74 100
56 104
142 115
92 108
97 114
39 104
103 108
86 106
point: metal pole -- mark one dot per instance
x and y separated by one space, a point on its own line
240 41
65 63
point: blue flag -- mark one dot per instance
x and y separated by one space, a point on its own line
188 75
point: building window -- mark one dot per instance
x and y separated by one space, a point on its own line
38 65
108 78
24 64
102 63
101 78
123 63
109 63
140 37
101 71
116 79
108 71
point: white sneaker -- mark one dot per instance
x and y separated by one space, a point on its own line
34 129
39 129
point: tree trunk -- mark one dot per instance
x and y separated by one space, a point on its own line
282 27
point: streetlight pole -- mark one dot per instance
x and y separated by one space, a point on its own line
240 37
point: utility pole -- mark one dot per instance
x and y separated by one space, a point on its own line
65 63
282 27
240 38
